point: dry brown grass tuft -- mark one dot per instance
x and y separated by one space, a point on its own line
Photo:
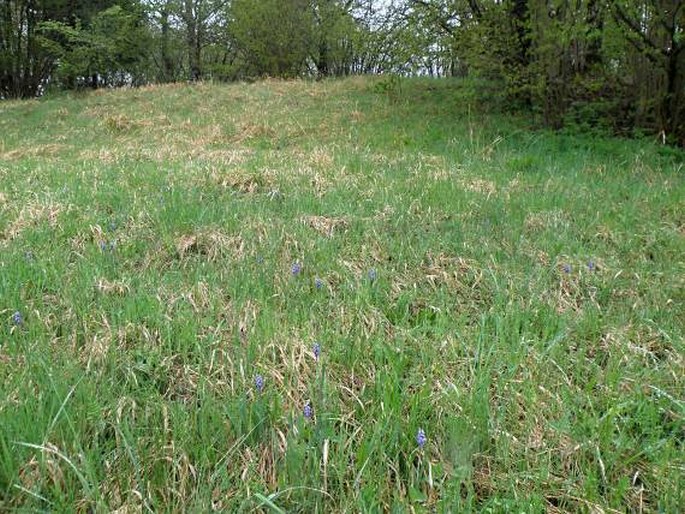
97 346
324 225
464 277
433 167
321 158
479 185
45 468
118 123
212 244
35 150
243 181
31 215
250 131
106 287
546 220
103 155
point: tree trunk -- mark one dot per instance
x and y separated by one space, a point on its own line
190 16
322 62
595 27
167 63
673 100
520 16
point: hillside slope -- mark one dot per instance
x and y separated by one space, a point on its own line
334 297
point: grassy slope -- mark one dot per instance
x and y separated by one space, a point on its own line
147 238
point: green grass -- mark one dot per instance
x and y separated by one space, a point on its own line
147 238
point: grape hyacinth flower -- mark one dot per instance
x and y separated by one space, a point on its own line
307 411
105 246
591 266
567 268
296 268
372 274
318 283
316 350
259 383
421 438
17 318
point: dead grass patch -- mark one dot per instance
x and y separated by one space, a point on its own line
479 185
321 158
324 225
47 467
117 288
103 155
243 181
118 123
433 167
32 215
35 150
97 346
249 131
227 157
211 244
546 220
456 273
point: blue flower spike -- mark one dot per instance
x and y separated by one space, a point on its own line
421 438
259 383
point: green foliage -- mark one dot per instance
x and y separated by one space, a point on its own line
274 37
337 37
111 50
618 64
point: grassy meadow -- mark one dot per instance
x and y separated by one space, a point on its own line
339 296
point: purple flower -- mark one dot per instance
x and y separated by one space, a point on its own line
111 246
259 383
318 283
296 268
17 318
566 268
372 274
316 350
307 411
421 438
591 266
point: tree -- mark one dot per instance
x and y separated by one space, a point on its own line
655 31
25 64
336 36
36 36
110 51
199 16
274 37
167 51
